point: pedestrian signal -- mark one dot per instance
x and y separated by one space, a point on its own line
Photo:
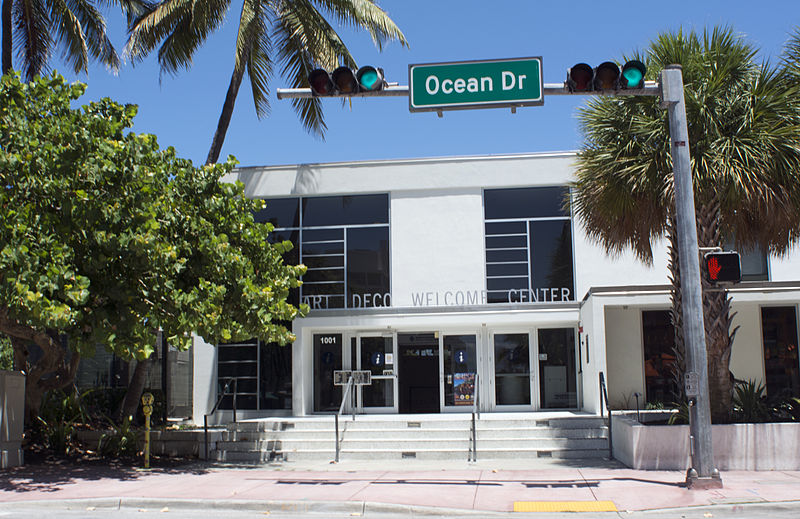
723 267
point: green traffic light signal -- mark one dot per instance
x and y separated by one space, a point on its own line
633 74
370 78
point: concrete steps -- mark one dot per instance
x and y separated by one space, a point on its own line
430 437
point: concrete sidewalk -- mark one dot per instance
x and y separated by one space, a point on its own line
488 486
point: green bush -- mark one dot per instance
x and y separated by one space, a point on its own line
750 402
120 441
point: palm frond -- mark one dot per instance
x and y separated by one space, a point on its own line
368 15
180 26
93 32
254 49
32 37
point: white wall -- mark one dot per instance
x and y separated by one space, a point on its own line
435 246
786 268
204 378
625 364
747 357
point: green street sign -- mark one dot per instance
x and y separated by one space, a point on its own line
465 85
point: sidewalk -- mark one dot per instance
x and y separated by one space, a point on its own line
488 486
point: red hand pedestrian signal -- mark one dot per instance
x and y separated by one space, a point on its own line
723 267
713 268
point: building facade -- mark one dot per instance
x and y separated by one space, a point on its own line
455 278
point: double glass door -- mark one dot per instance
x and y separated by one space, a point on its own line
535 370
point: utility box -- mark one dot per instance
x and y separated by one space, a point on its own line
12 412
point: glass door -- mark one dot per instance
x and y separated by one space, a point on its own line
513 377
376 353
558 379
459 365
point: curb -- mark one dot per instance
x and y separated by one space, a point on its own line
354 508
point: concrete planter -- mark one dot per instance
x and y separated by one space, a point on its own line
12 410
188 443
764 446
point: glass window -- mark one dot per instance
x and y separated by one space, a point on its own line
557 368
367 266
460 367
779 329
531 202
327 359
512 369
280 212
239 361
658 340
528 259
753 261
551 256
327 211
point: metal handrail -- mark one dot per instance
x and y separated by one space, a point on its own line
476 412
225 389
604 398
348 387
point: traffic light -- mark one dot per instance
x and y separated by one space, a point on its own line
723 267
346 81
579 78
633 74
606 76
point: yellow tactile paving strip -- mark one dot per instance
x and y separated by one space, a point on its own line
564 506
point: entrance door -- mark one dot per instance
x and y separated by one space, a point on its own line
459 368
512 371
376 353
418 372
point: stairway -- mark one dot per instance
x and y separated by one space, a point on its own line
426 437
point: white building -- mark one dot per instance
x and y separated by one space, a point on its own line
427 271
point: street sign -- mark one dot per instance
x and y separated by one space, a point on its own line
464 85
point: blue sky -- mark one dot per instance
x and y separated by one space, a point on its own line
183 110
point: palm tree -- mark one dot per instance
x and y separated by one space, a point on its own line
78 28
291 33
744 134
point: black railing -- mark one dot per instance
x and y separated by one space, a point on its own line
604 400
224 392
476 414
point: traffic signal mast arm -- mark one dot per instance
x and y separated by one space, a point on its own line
651 88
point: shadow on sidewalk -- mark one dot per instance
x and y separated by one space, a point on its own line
52 474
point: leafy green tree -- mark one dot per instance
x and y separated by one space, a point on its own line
76 28
292 34
6 354
105 238
744 136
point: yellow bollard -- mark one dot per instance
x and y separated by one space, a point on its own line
147 409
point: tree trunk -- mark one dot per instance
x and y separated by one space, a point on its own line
54 370
225 116
717 319
7 41
134 393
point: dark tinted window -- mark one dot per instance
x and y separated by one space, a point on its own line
367 262
532 202
781 368
658 337
345 210
280 212
551 255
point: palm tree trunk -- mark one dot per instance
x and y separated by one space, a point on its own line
717 319
6 44
679 348
225 116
